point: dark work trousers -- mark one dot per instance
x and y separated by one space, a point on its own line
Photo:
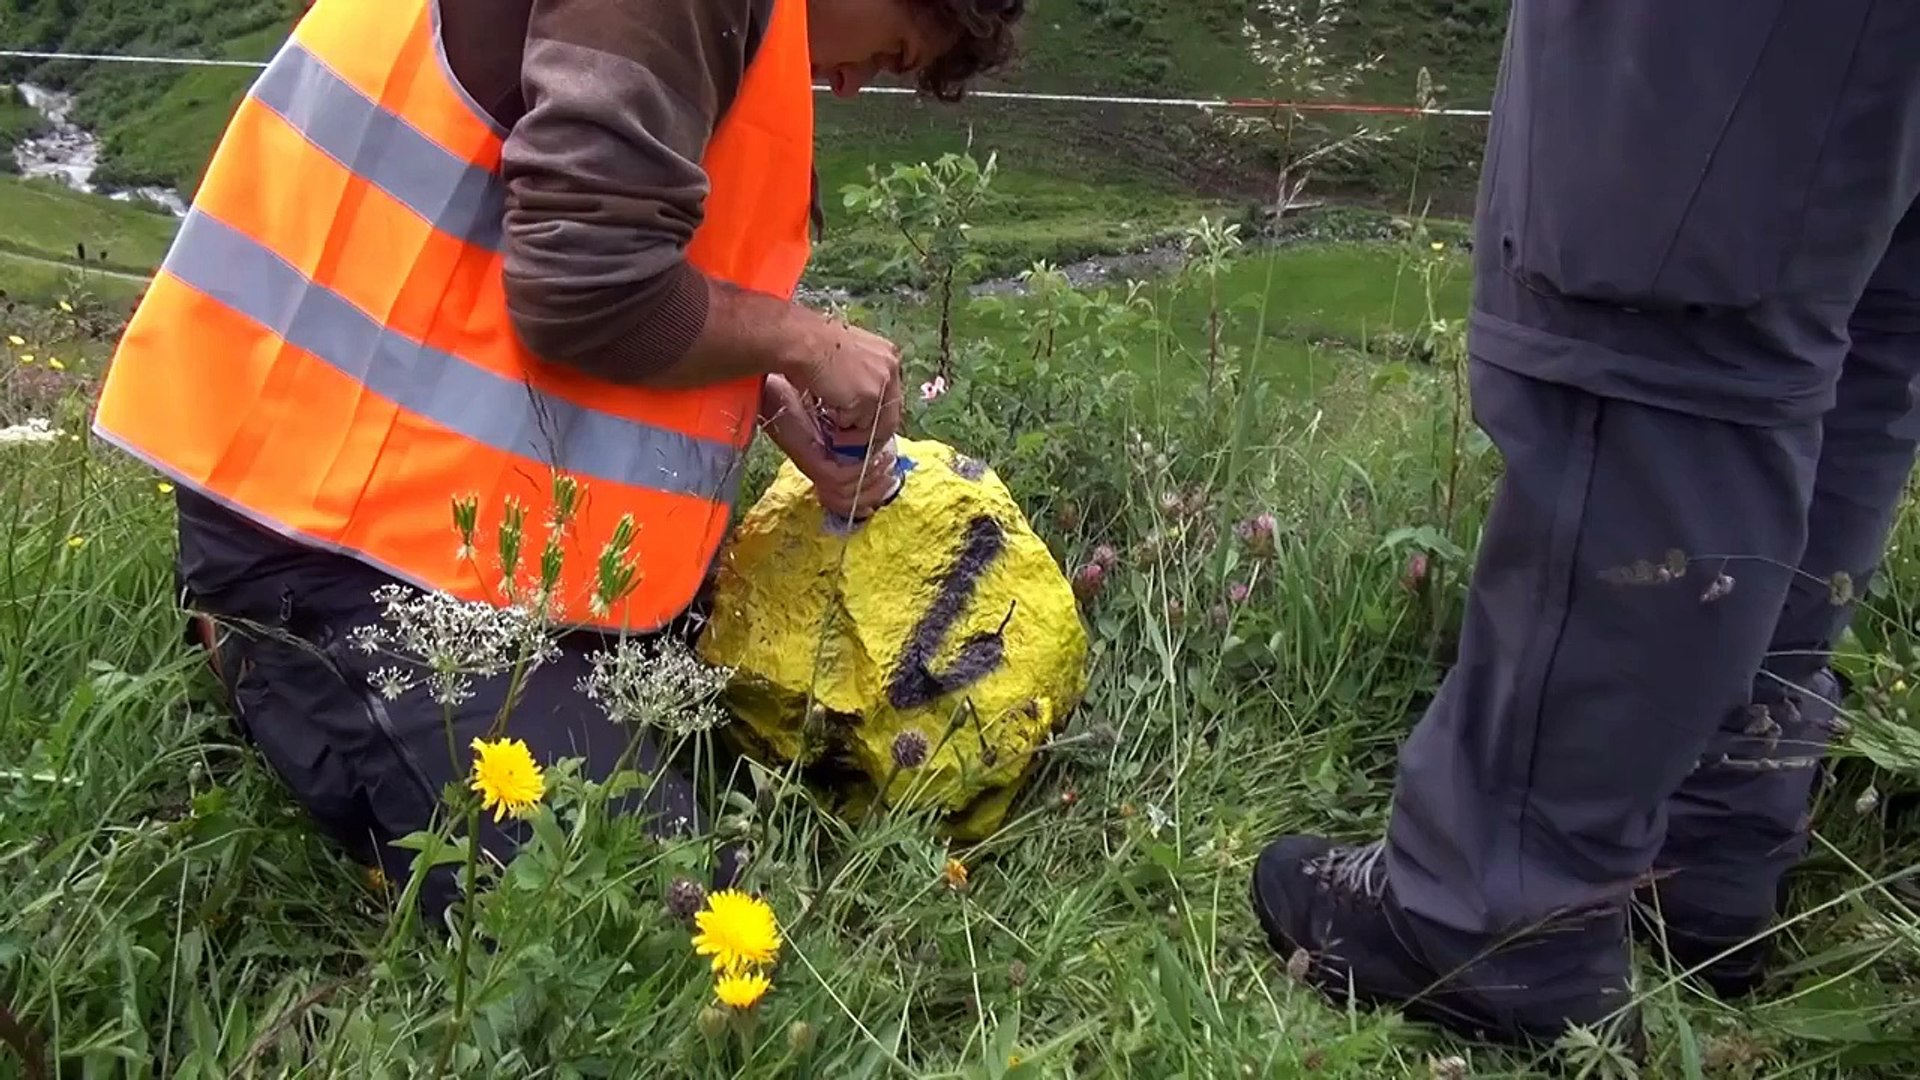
366 769
1695 342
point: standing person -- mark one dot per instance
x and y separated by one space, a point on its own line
453 248
1695 338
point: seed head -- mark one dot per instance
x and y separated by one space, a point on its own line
1448 1068
910 749
685 898
800 1036
1299 965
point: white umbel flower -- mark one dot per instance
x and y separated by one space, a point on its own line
35 432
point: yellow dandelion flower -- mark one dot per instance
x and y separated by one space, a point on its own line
506 776
165 488
955 874
741 989
1899 686
76 542
26 358
737 930
1439 246
66 307
16 340
54 363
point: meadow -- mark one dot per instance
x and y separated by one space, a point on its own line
1266 449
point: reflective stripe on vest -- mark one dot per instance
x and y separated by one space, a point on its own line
327 347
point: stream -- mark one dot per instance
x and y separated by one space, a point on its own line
70 153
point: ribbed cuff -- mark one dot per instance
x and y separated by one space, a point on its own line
665 333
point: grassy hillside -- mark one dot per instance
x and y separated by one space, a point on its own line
160 123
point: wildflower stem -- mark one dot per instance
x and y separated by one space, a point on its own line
467 930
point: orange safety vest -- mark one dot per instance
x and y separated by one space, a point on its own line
327 348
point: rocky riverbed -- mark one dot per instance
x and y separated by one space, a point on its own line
67 152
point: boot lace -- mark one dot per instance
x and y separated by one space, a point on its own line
1359 871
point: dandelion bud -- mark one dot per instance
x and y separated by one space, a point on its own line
955 874
1868 801
800 1036
713 1022
1017 974
685 898
910 750
1088 580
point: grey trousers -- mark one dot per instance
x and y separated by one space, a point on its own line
1704 416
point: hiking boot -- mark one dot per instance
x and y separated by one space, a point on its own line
1732 839
1330 914
1694 941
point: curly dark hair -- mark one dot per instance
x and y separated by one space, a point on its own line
985 42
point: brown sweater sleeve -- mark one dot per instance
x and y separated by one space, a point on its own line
604 185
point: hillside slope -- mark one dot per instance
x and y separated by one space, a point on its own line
160 123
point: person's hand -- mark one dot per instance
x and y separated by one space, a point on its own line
853 375
848 487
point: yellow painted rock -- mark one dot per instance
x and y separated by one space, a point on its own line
942 614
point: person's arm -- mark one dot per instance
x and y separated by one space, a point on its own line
605 188
605 192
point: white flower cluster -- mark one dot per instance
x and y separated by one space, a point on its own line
34 432
659 684
455 641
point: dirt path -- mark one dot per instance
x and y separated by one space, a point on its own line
62 264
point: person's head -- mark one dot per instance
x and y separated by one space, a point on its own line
942 43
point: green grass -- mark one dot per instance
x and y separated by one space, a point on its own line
165 910
42 217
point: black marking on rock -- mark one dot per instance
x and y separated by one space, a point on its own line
914 683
